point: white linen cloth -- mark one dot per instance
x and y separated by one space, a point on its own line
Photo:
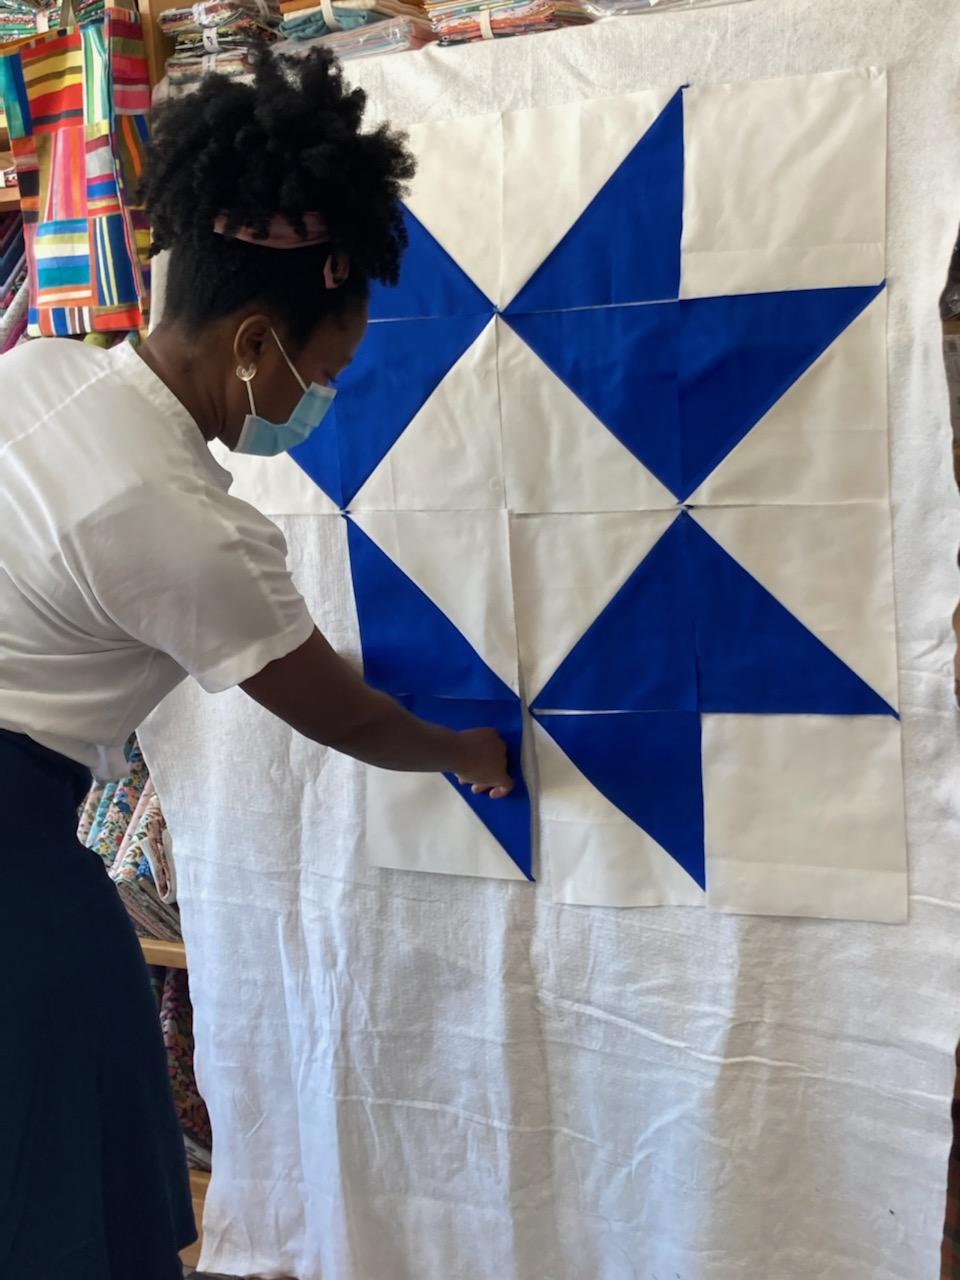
430 1077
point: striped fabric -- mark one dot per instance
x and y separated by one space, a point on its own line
76 103
129 79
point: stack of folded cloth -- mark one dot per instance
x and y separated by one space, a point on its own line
122 822
88 11
21 18
143 871
217 35
356 28
461 21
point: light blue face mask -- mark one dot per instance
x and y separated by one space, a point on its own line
266 439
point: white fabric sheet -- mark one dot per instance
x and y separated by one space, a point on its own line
423 1076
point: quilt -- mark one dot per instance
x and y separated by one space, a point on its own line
612 464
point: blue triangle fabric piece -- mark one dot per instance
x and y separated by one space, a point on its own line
681 383
508 820
431 283
754 655
639 653
739 354
397 368
319 457
648 765
621 362
625 246
409 645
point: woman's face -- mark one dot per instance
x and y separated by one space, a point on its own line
276 391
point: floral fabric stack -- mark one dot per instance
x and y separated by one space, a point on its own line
143 871
122 823
357 28
217 35
463 21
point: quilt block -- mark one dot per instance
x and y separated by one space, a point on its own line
612 464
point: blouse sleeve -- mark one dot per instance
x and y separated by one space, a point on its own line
200 576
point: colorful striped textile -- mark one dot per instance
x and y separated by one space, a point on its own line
75 102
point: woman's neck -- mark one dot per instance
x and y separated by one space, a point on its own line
182 362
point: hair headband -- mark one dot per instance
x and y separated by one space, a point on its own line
281 234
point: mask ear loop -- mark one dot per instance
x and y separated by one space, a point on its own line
290 365
247 375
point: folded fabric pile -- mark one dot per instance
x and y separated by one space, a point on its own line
87 11
217 35
390 35
122 823
21 18
311 19
143 872
14 290
462 21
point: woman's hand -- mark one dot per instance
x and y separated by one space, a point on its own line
483 763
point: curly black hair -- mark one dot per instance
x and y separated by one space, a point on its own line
289 143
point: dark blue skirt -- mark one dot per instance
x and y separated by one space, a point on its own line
93 1179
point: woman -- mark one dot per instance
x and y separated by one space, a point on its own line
124 565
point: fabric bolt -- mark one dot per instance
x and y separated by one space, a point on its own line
107 791
217 36
490 1081
392 35
459 23
112 826
92 1146
308 23
143 875
89 811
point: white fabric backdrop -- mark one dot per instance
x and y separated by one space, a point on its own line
428 1078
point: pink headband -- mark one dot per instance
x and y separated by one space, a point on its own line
281 234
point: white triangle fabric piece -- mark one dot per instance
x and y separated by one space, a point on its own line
557 456
556 159
784 183
417 822
825 440
275 486
597 856
461 560
447 195
832 567
804 816
449 456
565 570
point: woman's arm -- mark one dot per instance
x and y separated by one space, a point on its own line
317 693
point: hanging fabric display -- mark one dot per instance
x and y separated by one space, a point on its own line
76 102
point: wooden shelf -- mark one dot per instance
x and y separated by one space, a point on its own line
172 955
199 1182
